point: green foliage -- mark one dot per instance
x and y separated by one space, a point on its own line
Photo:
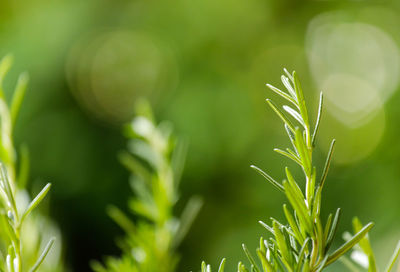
156 159
304 242
21 235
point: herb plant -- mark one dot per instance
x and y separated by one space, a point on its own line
21 235
304 242
156 158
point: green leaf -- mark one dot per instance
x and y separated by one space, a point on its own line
289 87
222 265
301 148
43 255
282 245
328 226
251 259
306 266
299 206
372 263
121 219
293 225
10 257
282 94
288 155
268 228
275 255
267 266
18 96
5 65
269 178
133 165
317 204
288 75
296 189
393 259
36 201
302 254
7 187
333 230
290 133
319 234
295 115
322 265
188 216
241 267
327 163
281 115
364 242
314 135
349 244
300 98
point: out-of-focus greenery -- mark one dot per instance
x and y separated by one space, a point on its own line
203 65
156 159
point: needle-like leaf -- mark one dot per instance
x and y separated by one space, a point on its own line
43 255
281 115
269 178
251 259
282 93
36 201
349 244
333 230
393 259
289 87
327 164
314 136
295 115
222 265
289 155
18 96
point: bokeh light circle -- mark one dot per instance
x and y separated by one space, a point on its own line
356 65
110 70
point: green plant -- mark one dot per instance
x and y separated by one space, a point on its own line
304 242
21 234
156 159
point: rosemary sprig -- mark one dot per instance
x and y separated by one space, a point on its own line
304 242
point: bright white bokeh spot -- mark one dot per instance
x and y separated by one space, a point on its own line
361 58
356 66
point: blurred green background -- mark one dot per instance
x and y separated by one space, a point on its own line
203 65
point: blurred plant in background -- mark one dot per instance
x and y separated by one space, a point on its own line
25 238
156 159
